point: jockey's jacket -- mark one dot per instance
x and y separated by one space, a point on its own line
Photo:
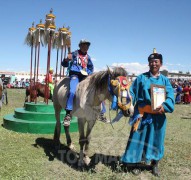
79 61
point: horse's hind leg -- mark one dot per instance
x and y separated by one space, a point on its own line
57 130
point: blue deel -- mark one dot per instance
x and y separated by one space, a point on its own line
147 143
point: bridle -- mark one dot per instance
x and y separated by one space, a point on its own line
123 96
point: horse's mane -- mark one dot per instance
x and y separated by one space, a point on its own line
100 79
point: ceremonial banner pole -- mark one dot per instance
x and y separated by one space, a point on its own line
50 29
30 41
63 37
55 45
39 32
57 54
40 35
34 74
68 41
61 58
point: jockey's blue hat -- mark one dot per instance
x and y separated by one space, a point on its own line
84 41
155 55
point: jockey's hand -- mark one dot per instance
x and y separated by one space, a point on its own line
160 109
69 57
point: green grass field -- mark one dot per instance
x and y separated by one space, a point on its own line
32 156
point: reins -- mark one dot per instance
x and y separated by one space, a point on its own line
123 87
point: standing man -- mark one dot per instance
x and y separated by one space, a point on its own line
50 81
3 80
4 89
146 141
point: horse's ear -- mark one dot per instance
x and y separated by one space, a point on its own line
109 71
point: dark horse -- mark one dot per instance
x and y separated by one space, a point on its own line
35 91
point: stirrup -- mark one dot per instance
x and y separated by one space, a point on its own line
67 119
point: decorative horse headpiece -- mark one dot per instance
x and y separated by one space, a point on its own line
122 85
118 86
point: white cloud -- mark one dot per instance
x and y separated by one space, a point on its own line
132 68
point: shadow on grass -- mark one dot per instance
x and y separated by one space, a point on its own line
113 162
185 117
69 157
61 153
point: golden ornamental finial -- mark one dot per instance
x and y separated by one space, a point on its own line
154 51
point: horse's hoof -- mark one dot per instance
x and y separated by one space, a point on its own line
80 164
86 160
71 147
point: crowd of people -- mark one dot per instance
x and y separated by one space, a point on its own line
182 90
23 83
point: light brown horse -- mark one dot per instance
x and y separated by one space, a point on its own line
87 103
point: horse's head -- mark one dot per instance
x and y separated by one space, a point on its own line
119 85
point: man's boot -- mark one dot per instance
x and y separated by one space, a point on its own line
136 169
155 169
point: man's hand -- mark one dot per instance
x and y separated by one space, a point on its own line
69 57
160 109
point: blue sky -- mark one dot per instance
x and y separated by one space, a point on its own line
122 32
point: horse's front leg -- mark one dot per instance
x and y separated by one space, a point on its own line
90 125
82 139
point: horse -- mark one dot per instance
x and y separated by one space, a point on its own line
36 90
89 94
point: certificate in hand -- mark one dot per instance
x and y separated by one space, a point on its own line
158 95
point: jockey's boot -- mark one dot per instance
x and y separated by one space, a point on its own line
155 169
103 118
67 118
